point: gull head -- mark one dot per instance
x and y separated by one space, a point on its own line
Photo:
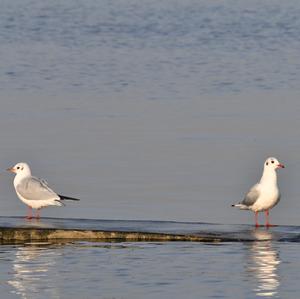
20 168
272 163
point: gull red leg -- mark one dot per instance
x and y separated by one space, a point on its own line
267 218
268 224
256 219
29 214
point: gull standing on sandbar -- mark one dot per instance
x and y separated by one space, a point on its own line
264 195
34 192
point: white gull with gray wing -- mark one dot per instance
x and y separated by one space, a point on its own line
264 195
35 192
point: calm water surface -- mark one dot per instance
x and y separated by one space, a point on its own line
263 269
160 110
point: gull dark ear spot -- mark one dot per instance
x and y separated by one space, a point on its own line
267 163
22 168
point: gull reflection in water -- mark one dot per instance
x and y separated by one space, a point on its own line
262 266
30 271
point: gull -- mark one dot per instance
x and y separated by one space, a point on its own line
34 192
264 195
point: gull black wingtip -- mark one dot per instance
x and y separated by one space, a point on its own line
63 197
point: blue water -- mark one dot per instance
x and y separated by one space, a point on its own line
161 49
150 270
156 110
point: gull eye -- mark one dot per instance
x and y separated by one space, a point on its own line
18 167
272 162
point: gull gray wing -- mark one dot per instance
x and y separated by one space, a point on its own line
33 188
252 196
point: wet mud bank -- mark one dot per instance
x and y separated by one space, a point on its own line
19 230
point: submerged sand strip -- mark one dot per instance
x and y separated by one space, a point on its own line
11 235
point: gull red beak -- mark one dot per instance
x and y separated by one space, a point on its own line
280 165
11 169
